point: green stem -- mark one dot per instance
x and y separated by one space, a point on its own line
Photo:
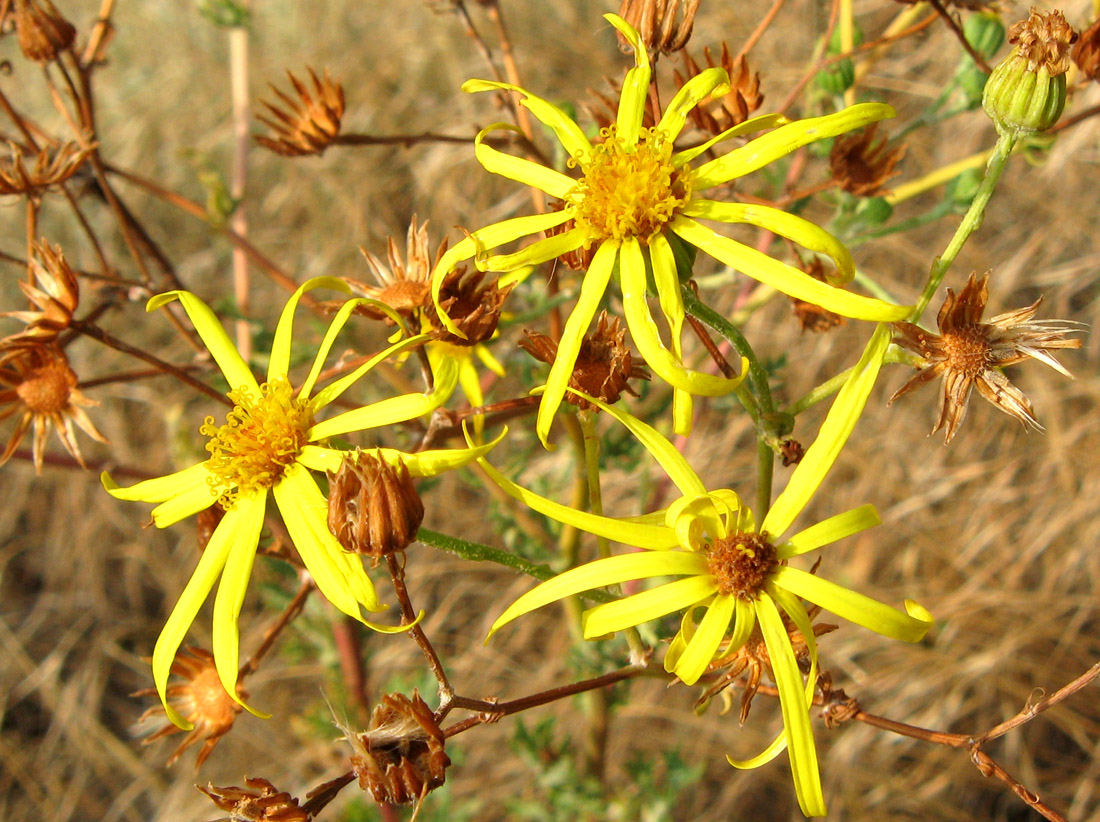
834 384
971 222
765 464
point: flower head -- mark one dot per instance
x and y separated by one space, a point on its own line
268 445
861 165
734 569
735 106
55 297
52 167
637 200
259 802
37 383
968 353
1086 54
306 125
42 31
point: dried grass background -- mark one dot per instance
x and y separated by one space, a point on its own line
997 535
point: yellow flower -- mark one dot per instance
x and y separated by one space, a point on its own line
734 569
637 199
268 445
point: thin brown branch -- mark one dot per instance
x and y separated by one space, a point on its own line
289 614
958 32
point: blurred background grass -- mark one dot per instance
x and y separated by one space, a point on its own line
997 534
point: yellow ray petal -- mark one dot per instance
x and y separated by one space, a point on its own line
569 134
653 604
635 90
213 336
231 591
803 232
190 502
758 123
667 281
333 390
770 147
597 574
826 532
783 277
224 539
711 81
539 251
592 291
834 433
700 650
334 328
523 171
160 489
279 362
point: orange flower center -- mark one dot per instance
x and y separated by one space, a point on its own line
628 190
967 350
741 563
259 439
48 388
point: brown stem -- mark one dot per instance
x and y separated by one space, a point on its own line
98 37
96 333
319 797
32 227
405 140
715 354
127 377
958 32
289 614
408 616
1075 119
758 32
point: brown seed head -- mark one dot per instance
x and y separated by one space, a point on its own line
41 30
813 317
474 308
604 362
51 168
665 25
969 353
1044 40
307 124
55 298
741 563
373 507
401 758
862 166
200 699
718 114
1086 54
405 283
259 802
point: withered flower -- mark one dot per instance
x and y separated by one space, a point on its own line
37 383
405 284
306 125
861 166
968 352
1086 54
753 657
603 365
55 298
41 30
259 802
51 167
474 308
373 507
665 25
201 699
811 316
733 107
401 757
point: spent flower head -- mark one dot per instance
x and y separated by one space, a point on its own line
733 107
637 201
968 353
42 31
55 298
270 442
734 569
307 124
52 167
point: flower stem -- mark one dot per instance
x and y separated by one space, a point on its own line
971 222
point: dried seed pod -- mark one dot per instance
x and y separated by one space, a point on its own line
861 166
307 124
373 507
474 308
51 168
1086 54
604 362
55 298
259 802
665 25
42 31
401 757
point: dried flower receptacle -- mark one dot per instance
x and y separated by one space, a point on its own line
307 124
967 353
861 165
404 284
373 507
259 802
1086 54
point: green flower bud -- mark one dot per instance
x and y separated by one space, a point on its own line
1027 91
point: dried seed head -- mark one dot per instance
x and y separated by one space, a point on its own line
664 25
401 758
259 802
37 382
968 353
1027 90
813 317
373 507
51 167
604 362
734 107
741 563
308 124
1086 54
405 283
200 699
55 298
41 30
474 308
862 166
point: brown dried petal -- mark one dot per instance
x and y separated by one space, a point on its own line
41 30
734 107
1086 54
474 308
373 507
307 124
51 167
1044 40
664 25
862 166
259 802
